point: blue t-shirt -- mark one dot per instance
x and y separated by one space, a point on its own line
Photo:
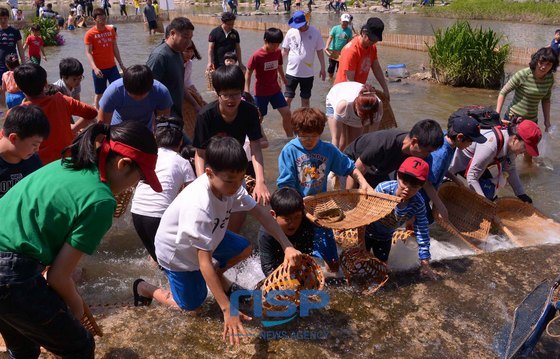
554 45
307 171
439 162
124 108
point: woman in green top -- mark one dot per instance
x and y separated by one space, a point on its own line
531 85
51 218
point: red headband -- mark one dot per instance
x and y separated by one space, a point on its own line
146 161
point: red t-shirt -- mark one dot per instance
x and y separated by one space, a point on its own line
102 46
34 44
265 65
354 57
58 109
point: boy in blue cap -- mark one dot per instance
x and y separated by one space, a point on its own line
461 133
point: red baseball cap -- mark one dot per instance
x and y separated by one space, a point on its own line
531 134
146 161
415 167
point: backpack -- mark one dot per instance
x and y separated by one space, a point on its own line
486 116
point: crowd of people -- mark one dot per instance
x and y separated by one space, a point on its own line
63 162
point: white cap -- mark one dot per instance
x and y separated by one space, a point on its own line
345 17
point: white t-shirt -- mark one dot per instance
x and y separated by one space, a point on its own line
347 92
195 220
303 48
188 72
172 171
79 10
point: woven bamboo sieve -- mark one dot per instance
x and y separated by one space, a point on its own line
123 199
88 321
402 234
250 183
361 267
522 222
348 238
348 208
469 213
388 120
308 275
208 75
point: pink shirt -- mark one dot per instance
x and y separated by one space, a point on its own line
9 83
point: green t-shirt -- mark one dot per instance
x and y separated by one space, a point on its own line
52 206
340 37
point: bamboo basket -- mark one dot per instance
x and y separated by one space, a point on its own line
208 75
524 224
470 214
250 183
88 321
189 113
348 238
348 208
123 199
388 120
402 234
361 267
308 275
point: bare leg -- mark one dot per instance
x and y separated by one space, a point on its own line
351 134
236 221
305 102
96 99
336 130
163 296
286 120
289 101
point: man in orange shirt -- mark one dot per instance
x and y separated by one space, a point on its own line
360 55
101 51
31 79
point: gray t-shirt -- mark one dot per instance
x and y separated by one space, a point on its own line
150 13
167 67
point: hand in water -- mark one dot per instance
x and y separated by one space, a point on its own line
233 327
426 271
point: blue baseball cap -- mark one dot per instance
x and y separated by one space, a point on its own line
297 20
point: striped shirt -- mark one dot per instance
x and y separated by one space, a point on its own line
385 227
529 91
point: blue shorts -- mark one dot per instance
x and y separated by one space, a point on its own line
277 101
189 288
324 245
110 74
330 110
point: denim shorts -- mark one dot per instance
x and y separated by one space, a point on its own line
277 101
32 314
330 110
100 84
189 288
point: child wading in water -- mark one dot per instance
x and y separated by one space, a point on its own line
55 223
35 44
193 232
14 96
173 171
192 102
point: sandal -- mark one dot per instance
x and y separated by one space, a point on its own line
140 301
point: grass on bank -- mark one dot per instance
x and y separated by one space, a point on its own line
541 12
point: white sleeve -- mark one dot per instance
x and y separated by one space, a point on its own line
188 172
242 201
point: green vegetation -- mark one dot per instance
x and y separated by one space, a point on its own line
466 56
49 31
542 12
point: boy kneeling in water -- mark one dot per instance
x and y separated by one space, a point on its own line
193 230
411 176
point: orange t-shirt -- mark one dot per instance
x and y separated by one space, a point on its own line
58 109
102 46
354 57
9 83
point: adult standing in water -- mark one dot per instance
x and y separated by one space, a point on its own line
10 40
531 85
101 51
301 44
222 39
338 38
166 61
360 55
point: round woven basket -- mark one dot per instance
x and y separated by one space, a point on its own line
348 238
208 75
402 234
388 120
361 267
470 214
308 275
524 224
250 183
123 199
88 321
348 208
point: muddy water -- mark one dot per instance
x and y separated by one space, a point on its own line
410 319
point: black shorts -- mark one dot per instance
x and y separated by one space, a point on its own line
152 24
306 84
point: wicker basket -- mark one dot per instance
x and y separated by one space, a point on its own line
123 199
388 120
308 275
88 321
522 222
402 234
361 267
348 208
348 238
250 183
189 113
470 214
